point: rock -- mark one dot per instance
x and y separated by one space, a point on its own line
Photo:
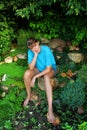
4 88
41 84
58 57
12 50
8 59
76 57
80 110
2 62
4 77
21 56
15 58
3 94
57 43
72 48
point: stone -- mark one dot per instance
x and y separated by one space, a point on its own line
4 77
12 50
57 43
8 59
2 62
76 57
72 48
15 58
3 94
4 88
21 56
80 110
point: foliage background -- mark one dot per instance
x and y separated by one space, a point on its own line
46 19
20 19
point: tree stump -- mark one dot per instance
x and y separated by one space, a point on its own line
41 85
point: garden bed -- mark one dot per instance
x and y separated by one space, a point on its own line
34 117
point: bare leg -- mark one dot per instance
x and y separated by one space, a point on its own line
48 86
27 81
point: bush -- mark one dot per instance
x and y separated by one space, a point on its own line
6 36
82 126
82 73
11 104
23 35
73 94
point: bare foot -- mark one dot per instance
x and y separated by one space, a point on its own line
50 117
26 102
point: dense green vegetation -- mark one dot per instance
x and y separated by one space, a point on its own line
47 19
66 100
67 20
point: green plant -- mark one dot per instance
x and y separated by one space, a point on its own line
14 76
66 126
82 126
75 7
6 36
82 73
73 94
11 104
80 37
8 125
47 29
22 37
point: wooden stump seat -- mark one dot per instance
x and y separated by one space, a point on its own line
41 84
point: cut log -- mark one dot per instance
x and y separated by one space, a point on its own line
41 85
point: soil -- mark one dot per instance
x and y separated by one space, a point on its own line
31 119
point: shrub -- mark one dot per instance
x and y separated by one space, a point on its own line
73 94
82 126
82 73
6 36
24 34
11 104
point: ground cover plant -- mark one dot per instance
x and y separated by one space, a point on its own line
34 117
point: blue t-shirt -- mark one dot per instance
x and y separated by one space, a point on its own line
45 58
